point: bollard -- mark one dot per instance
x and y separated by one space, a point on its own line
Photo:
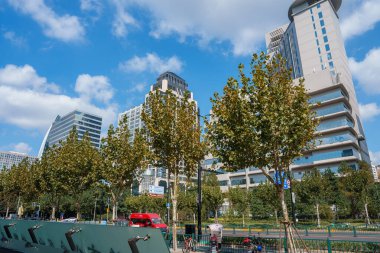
329 231
306 232
354 230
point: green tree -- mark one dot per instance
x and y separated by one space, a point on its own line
264 201
187 203
51 179
123 160
212 196
264 122
80 160
239 201
312 192
175 138
355 185
334 195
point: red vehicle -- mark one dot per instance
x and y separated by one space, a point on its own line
152 220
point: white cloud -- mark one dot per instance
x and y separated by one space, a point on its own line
94 87
242 23
362 19
140 87
375 157
152 63
369 111
35 108
367 71
15 39
91 5
66 28
122 18
25 77
22 147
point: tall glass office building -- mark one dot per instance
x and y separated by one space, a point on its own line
62 125
167 80
314 49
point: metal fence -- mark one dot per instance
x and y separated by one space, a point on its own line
235 245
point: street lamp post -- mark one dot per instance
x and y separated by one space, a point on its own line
292 198
199 202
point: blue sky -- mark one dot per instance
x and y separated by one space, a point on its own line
102 56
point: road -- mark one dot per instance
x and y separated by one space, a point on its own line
362 236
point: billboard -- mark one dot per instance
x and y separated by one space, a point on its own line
157 190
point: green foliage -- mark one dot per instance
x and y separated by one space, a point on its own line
264 201
355 186
238 199
174 136
123 161
212 196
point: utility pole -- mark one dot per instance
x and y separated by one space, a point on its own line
292 198
199 202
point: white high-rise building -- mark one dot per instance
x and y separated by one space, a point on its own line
8 159
313 47
167 80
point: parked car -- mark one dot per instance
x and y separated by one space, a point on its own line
152 220
70 220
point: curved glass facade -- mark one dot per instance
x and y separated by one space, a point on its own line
331 109
319 156
338 122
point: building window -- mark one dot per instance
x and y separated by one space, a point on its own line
317 42
322 22
311 10
315 28
318 6
320 15
329 57
331 64
319 50
327 46
325 39
323 30
312 18
316 34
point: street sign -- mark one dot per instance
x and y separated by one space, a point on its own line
167 205
277 180
159 190
286 184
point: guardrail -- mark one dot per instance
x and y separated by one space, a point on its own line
235 245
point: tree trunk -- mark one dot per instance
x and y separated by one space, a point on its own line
287 224
366 214
216 215
53 213
7 212
318 217
243 220
174 217
78 210
276 215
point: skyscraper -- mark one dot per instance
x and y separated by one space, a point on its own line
62 125
8 159
313 47
165 81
